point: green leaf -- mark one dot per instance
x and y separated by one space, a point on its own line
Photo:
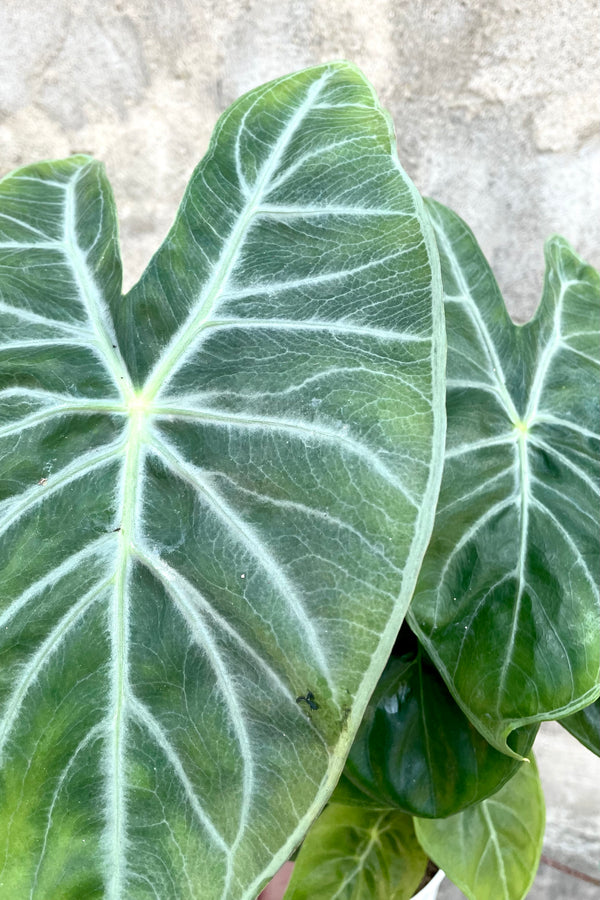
585 726
218 492
352 853
507 601
349 793
415 748
492 850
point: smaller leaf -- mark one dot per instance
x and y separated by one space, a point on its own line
585 726
354 853
507 602
491 851
416 750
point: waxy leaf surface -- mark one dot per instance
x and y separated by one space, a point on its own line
507 599
492 850
417 750
217 494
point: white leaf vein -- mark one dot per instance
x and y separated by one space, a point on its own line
32 668
310 430
141 712
253 543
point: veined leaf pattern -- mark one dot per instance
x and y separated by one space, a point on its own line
492 850
217 492
507 599
355 853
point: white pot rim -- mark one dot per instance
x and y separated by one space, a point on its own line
429 892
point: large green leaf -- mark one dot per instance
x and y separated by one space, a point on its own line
585 726
217 495
415 748
353 853
507 599
492 850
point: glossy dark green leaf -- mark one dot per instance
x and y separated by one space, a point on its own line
217 495
585 726
415 748
352 853
491 851
507 602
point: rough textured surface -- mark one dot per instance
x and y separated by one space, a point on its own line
497 107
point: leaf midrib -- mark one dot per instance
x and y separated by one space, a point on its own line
493 838
116 830
202 308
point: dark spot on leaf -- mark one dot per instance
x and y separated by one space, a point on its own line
309 699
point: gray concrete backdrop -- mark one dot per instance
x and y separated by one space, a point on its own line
496 104
497 110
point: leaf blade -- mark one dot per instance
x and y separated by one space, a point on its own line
220 543
491 603
357 853
416 750
492 849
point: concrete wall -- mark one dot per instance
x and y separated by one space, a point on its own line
496 104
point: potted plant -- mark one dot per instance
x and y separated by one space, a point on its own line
223 569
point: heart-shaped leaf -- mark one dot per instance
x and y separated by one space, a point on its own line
507 600
416 750
217 494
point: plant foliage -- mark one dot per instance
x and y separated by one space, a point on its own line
492 850
507 602
218 500
217 492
